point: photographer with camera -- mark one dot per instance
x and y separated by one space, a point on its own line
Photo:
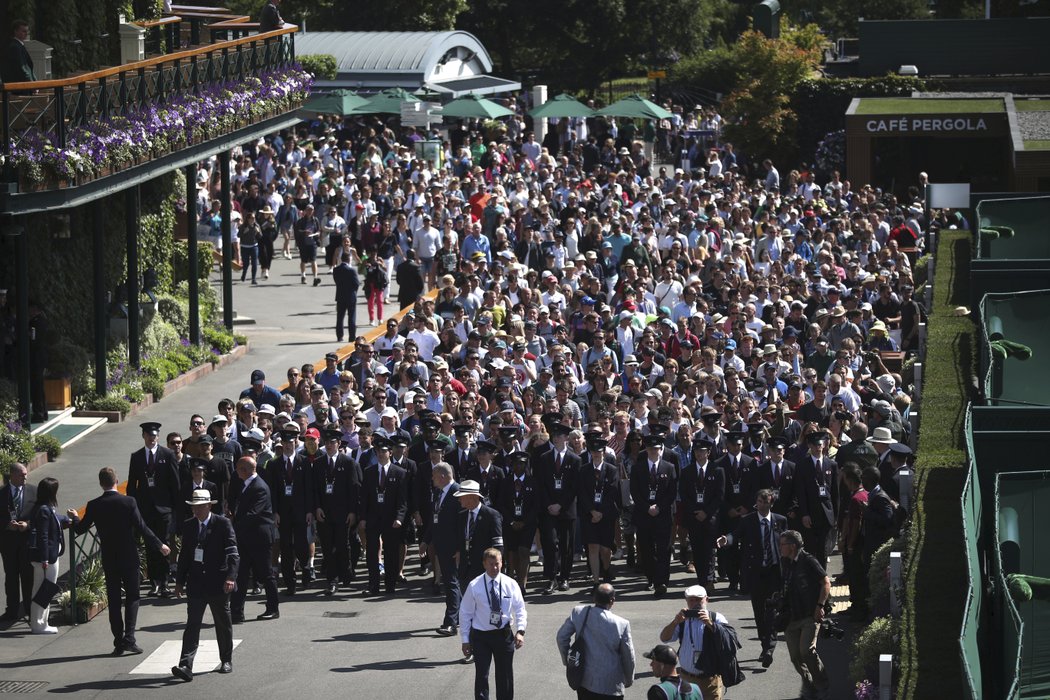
805 594
706 640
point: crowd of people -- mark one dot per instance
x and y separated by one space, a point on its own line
626 369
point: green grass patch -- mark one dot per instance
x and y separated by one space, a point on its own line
905 105
935 589
1031 105
1037 145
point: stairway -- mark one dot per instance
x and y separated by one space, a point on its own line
66 428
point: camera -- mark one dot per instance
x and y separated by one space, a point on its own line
692 613
831 628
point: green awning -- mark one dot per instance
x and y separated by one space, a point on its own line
562 106
635 107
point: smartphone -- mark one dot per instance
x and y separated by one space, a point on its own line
692 613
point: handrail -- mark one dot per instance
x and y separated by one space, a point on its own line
148 23
198 8
148 63
234 23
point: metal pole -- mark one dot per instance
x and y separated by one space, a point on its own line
131 224
98 248
73 575
191 252
22 301
918 381
885 676
895 582
905 486
227 244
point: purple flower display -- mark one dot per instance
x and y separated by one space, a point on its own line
105 145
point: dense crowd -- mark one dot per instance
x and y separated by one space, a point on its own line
622 362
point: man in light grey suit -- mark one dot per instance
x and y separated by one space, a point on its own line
608 651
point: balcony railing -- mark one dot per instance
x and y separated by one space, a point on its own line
47 124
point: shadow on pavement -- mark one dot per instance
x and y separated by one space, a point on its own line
379 636
37 661
116 684
398 665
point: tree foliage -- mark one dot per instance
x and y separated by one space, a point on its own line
839 18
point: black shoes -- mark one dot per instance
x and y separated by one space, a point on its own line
331 588
226 666
766 658
317 281
182 672
269 615
446 630
563 585
237 618
660 591
551 587
131 648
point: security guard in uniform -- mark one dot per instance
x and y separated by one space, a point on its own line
291 488
337 493
153 481
384 502
654 488
518 504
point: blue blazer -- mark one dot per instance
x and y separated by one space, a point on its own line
46 542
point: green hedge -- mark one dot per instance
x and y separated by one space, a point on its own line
935 589
321 66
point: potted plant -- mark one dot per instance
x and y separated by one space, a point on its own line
90 593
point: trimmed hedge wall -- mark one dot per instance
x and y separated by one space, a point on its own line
935 590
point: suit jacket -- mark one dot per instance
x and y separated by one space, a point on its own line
665 487
346 280
270 18
461 466
293 506
489 481
187 491
163 496
366 458
748 535
737 481
253 520
7 507
528 499
705 496
607 648
762 478
809 483
338 488
381 516
221 558
587 488
445 534
877 526
116 519
46 542
488 532
411 468
547 477
18 64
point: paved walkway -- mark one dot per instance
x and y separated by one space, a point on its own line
312 649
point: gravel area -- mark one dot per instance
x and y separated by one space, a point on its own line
1035 126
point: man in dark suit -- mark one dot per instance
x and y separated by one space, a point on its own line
270 18
208 570
385 507
480 528
758 536
291 491
701 490
409 280
422 508
346 285
463 456
817 494
778 475
117 518
398 444
337 489
18 64
654 487
518 503
556 472
196 482
17 499
254 525
487 474
737 503
443 538
153 481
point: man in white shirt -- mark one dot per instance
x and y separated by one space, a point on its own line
489 603
425 338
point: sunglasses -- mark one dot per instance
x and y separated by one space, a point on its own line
197 423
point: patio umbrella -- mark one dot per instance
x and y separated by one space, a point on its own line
476 107
562 106
341 102
635 107
386 102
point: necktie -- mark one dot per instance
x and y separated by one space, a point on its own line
462 458
494 598
18 500
768 556
776 473
149 461
652 470
470 525
557 462
382 475
200 534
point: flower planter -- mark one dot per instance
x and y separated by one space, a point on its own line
39 460
85 613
